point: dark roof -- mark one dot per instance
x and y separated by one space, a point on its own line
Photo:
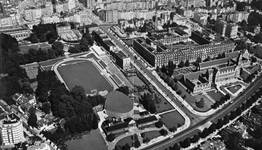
189 84
109 43
120 54
146 120
234 54
212 63
117 126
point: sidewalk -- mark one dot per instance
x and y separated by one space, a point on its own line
188 106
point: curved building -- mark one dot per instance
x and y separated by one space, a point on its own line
118 105
12 131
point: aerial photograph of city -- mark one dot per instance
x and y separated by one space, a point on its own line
130 75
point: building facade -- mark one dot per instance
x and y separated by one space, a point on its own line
18 32
12 131
157 55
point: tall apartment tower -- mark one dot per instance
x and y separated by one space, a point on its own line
12 131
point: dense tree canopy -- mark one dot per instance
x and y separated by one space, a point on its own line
74 106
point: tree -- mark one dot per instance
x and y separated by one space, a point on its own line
187 63
207 59
159 124
200 103
32 120
179 92
198 60
26 88
136 141
58 48
181 64
185 143
46 107
148 103
253 59
124 89
86 41
78 93
163 132
176 147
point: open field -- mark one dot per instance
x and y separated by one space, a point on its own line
207 101
162 104
172 119
126 140
215 95
148 136
233 89
191 100
85 74
91 140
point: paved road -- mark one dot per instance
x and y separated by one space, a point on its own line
194 127
149 73
220 113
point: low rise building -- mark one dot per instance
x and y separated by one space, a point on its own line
18 32
227 73
197 82
146 121
122 60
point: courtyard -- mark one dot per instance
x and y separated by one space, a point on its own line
233 89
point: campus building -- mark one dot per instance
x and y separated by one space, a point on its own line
197 82
18 32
158 55
172 36
120 58
231 30
12 131
227 73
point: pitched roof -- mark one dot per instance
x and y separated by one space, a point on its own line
118 126
213 63
146 120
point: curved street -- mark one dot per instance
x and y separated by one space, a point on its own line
195 120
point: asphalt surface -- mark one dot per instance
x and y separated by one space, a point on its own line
149 73
194 127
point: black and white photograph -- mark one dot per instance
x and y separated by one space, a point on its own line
130 75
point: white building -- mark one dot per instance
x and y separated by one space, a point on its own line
12 131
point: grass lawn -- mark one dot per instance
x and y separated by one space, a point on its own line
233 89
150 135
208 102
126 140
191 100
85 74
216 95
173 119
92 140
136 81
162 104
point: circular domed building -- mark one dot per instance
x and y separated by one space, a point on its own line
118 105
